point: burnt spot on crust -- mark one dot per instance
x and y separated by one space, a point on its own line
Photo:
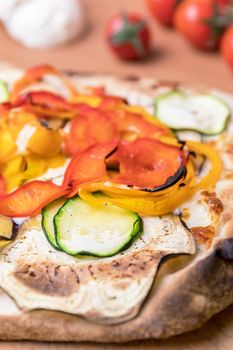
225 249
215 205
206 234
229 148
204 289
64 280
203 234
47 278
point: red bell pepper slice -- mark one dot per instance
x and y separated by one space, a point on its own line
88 165
4 107
130 123
2 186
88 129
35 74
29 199
108 101
147 163
46 104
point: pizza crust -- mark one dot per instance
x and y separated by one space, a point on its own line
196 296
179 301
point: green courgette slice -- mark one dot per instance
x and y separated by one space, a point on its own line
48 214
97 230
4 93
207 114
189 135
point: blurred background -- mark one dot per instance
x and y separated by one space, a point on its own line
171 56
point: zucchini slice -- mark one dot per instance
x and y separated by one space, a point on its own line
4 93
189 135
48 214
97 230
207 114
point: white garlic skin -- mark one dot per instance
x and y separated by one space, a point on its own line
42 24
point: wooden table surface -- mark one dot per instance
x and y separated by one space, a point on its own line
172 59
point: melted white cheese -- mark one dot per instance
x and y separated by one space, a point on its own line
195 212
24 136
55 174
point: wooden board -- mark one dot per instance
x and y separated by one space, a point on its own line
172 59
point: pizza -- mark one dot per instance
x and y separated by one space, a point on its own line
116 200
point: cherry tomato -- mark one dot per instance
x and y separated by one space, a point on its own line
128 36
222 4
162 10
194 19
227 46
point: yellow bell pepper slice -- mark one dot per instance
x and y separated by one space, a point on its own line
167 202
56 161
14 166
122 190
36 166
23 168
12 171
8 146
208 181
153 205
45 142
17 120
4 243
32 168
92 101
140 205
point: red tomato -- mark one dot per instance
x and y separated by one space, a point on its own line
227 46
162 10
223 3
190 18
128 36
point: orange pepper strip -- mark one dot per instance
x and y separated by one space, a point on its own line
88 165
29 199
2 186
35 74
148 117
88 129
46 104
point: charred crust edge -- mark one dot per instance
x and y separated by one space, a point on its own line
225 249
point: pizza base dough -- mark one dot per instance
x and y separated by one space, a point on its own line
185 294
193 294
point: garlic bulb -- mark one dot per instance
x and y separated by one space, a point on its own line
43 24
7 8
